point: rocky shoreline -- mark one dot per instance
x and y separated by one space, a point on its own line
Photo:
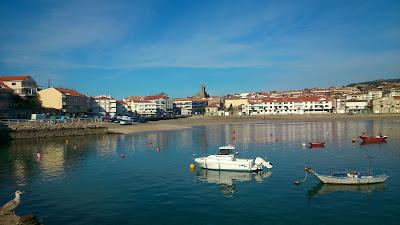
11 219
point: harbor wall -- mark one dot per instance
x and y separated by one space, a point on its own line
44 130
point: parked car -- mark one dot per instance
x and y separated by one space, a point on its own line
125 122
141 120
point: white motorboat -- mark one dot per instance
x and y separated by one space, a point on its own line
226 160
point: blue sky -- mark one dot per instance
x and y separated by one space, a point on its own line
144 47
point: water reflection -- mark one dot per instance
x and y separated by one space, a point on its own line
226 180
324 189
267 133
21 162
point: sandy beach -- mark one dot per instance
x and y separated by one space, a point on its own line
187 123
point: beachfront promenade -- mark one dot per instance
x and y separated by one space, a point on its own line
20 129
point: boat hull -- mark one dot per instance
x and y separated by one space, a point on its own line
228 165
317 144
351 180
378 139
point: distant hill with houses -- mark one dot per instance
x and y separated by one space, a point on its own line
376 83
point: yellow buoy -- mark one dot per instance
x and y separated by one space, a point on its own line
192 166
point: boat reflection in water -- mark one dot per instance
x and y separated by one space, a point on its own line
323 189
226 180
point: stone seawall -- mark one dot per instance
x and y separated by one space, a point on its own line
41 130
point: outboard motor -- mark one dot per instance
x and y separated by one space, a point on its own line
261 162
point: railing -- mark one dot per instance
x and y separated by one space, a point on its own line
71 120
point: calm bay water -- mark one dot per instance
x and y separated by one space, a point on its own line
92 184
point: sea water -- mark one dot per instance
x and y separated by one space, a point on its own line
145 178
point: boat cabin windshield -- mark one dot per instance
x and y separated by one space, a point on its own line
225 151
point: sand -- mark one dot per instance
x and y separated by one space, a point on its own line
187 123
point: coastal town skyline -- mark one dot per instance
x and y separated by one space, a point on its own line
143 48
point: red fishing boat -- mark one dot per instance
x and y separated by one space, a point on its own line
317 144
369 139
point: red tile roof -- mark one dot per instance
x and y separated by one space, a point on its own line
70 92
133 98
154 97
12 78
142 101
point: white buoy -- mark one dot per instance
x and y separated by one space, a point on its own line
304 144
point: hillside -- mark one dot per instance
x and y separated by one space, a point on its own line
375 83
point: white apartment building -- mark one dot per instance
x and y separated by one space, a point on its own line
287 106
356 106
339 105
357 96
374 94
393 93
162 101
105 105
143 107
386 105
184 104
23 86
190 106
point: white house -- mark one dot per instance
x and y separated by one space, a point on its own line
23 86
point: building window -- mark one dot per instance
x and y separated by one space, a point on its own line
13 83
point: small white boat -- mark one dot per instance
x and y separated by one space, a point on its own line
349 177
226 160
